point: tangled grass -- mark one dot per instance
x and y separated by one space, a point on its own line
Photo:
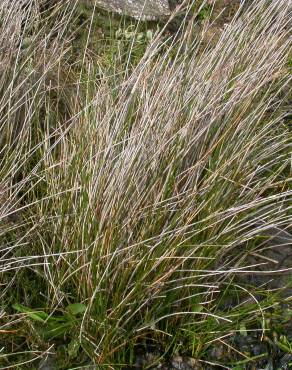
133 196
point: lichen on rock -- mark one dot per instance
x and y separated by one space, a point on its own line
140 9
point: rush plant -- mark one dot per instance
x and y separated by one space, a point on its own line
140 192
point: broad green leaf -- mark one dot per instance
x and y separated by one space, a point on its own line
56 330
34 315
198 308
76 308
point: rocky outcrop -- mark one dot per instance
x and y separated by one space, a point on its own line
140 9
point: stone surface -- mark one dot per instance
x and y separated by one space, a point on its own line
185 363
144 9
146 360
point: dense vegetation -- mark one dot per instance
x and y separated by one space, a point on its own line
145 185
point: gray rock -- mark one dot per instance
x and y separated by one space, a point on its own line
139 9
146 359
185 363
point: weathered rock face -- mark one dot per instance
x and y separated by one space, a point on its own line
140 9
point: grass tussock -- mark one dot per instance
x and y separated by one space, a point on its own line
133 196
